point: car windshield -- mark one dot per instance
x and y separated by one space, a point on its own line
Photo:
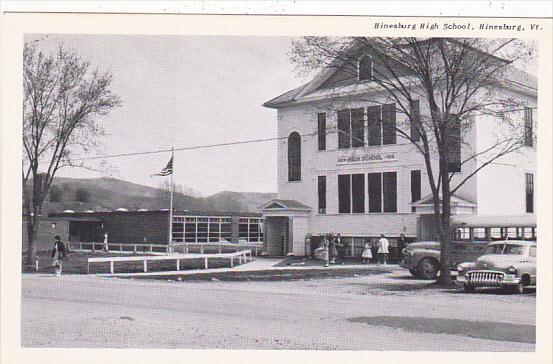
512 249
494 249
508 249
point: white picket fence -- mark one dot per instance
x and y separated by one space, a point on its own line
241 255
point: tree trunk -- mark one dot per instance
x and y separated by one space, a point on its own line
445 227
32 225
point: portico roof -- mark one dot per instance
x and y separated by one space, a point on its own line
280 204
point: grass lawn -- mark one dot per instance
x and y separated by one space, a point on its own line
76 263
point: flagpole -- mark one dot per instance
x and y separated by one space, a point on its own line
171 205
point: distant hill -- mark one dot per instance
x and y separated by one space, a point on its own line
104 194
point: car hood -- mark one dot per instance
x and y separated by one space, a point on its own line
498 261
424 245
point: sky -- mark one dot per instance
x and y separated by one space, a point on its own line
182 91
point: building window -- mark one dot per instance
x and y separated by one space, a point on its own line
528 127
321 120
351 131
382 192
358 193
351 193
193 229
375 194
249 229
321 187
389 191
454 144
479 233
381 124
365 68
294 157
529 192
389 124
415 121
374 122
415 187
344 193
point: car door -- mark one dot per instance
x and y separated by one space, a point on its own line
532 260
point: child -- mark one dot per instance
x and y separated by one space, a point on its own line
367 254
58 253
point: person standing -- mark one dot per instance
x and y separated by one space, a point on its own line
326 248
367 253
383 249
58 253
340 248
333 252
106 245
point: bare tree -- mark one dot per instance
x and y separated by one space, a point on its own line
62 99
453 80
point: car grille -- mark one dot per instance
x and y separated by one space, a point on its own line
485 278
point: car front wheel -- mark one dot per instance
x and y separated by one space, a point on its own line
519 288
428 268
413 272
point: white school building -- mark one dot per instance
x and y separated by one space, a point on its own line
340 173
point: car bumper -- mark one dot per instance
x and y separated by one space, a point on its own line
487 279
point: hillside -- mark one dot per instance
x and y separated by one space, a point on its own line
104 194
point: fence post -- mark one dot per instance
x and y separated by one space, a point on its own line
87 267
36 264
231 262
205 262
178 264
201 249
111 266
151 249
120 248
220 249
145 265
134 248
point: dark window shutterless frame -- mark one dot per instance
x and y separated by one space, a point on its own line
321 130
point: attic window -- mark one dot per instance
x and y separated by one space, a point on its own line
365 68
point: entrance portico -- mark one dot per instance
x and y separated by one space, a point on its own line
286 223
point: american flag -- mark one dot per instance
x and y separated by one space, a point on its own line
168 170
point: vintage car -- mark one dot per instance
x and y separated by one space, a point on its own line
422 259
510 263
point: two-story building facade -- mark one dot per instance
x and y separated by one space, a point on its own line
342 171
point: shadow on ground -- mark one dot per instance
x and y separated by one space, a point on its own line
476 329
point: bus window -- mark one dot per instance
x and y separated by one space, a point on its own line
527 233
495 233
511 233
479 234
462 233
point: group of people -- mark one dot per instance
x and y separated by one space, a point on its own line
382 250
378 251
334 248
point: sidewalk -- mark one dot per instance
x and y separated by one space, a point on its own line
257 265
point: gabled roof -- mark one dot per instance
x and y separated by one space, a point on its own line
513 75
455 201
285 205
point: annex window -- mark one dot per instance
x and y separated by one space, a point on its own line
454 144
351 131
381 124
528 127
192 229
375 188
351 193
249 229
415 186
294 157
529 192
462 233
321 130
365 68
415 121
321 188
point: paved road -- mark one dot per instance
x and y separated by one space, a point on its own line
360 313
